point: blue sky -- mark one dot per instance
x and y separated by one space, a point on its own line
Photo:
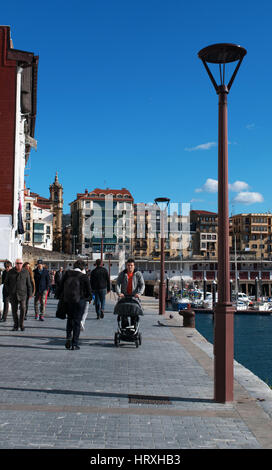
124 101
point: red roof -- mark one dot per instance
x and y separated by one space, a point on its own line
101 193
203 212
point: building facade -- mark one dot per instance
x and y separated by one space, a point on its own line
46 209
38 222
204 227
251 234
18 98
102 220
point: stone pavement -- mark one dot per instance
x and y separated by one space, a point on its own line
53 398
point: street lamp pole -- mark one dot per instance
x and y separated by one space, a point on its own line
163 203
222 54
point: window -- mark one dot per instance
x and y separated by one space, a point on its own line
27 237
27 226
28 206
38 238
48 231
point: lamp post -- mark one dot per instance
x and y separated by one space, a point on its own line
162 203
223 54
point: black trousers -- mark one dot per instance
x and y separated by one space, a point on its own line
74 316
14 305
6 301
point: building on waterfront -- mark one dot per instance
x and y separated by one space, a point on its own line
148 233
18 98
251 235
102 220
204 226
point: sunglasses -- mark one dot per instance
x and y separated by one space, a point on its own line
18 263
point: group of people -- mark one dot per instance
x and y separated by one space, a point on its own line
75 287
20 283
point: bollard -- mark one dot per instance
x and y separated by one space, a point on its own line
188 318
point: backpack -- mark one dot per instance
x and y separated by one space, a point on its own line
72 289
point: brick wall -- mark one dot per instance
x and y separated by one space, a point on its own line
8 72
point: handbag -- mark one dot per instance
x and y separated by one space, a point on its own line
61 309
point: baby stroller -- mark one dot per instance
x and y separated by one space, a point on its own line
128 308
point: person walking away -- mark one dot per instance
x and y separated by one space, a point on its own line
26 265
75 289
42 282
6 299
52 287
58 277
100 283
130 283
19 288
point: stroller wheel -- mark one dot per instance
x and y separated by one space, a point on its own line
116 339
140 339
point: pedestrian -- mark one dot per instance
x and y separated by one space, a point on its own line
100 283
19 288
26 265
75 290
58 277
52 287
130 282
6 299
42 282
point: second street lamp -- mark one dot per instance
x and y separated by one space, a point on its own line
223 54
162 203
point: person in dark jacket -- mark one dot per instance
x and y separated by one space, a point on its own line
19 288
75 290
6 300
42 283
100 283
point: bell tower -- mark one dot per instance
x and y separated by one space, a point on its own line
56 199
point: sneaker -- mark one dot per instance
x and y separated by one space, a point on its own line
75 347
36 316
41 318
102 314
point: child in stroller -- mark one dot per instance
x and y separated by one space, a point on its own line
128 308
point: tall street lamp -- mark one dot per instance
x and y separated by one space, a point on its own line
162 203
223 54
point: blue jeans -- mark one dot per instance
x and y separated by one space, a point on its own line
100 297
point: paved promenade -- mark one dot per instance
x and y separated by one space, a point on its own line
53 398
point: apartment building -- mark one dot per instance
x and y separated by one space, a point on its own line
102 220
204 227
251 234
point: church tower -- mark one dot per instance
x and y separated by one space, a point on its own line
56 200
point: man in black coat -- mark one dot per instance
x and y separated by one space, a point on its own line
42 283
100 283
6 300
19 288
74 290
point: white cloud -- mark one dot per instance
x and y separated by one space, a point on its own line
238 186
247 197
250 126
196 200
210 186
206 146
